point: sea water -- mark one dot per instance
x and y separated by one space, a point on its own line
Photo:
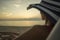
18 26
21 23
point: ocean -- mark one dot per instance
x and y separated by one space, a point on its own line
18 26
21 23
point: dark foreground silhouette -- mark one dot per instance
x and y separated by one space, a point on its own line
38 32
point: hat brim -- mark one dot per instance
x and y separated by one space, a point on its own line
53 17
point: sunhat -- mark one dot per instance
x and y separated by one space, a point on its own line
51 9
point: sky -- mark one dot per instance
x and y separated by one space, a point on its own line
18 9
12 9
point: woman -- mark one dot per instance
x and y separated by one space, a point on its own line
50 11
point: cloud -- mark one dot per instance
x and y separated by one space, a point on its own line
17 5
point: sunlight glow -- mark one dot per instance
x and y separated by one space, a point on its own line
33 13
